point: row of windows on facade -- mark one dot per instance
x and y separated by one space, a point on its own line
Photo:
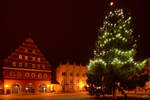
71 81
33 58
28 75
27 65
71 74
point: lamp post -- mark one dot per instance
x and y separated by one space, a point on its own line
6 86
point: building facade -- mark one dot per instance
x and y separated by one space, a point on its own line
71 78
25 71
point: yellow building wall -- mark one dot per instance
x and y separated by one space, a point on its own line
74 82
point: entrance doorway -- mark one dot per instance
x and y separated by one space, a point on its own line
30 88
15 88
42 88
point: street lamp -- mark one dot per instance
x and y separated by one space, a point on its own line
6 85
81 85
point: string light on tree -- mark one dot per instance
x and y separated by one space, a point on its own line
115 50
111 3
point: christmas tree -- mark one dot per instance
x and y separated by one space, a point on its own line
113 65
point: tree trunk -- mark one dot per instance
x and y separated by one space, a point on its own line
114 93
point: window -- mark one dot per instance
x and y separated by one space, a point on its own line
33 58
30 50
32 75
20 64
25 64
71 81
77 74
13 63
12 73
26 57
33 51
71 74
38 59
19 74
83 75
39 75
27 75
38 66
43 66
20 56
26 50
63 73
45 76
33 65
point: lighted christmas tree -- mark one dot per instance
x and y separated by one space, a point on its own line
113 65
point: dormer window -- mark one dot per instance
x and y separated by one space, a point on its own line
20 64
14 63
25 64
20 56
33 58
30 50
38 66
43 66
33 65
38 59
26 57
33 51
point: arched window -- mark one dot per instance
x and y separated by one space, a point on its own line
32 75
27 75
12 73
45 76
40 75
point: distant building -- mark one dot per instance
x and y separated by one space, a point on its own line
25 71
71 78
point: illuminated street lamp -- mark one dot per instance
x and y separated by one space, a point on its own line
81 85
6 85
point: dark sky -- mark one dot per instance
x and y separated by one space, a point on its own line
64 29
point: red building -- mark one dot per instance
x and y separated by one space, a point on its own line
25 71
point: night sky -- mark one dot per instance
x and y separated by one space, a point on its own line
65 29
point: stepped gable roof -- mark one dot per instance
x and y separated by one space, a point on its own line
27 48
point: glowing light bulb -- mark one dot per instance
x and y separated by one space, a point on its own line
111 3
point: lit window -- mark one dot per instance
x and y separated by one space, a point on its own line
33 58
26 64
33 65
20 64
38 59
20 56
13 63
26 57
26 50
33 51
